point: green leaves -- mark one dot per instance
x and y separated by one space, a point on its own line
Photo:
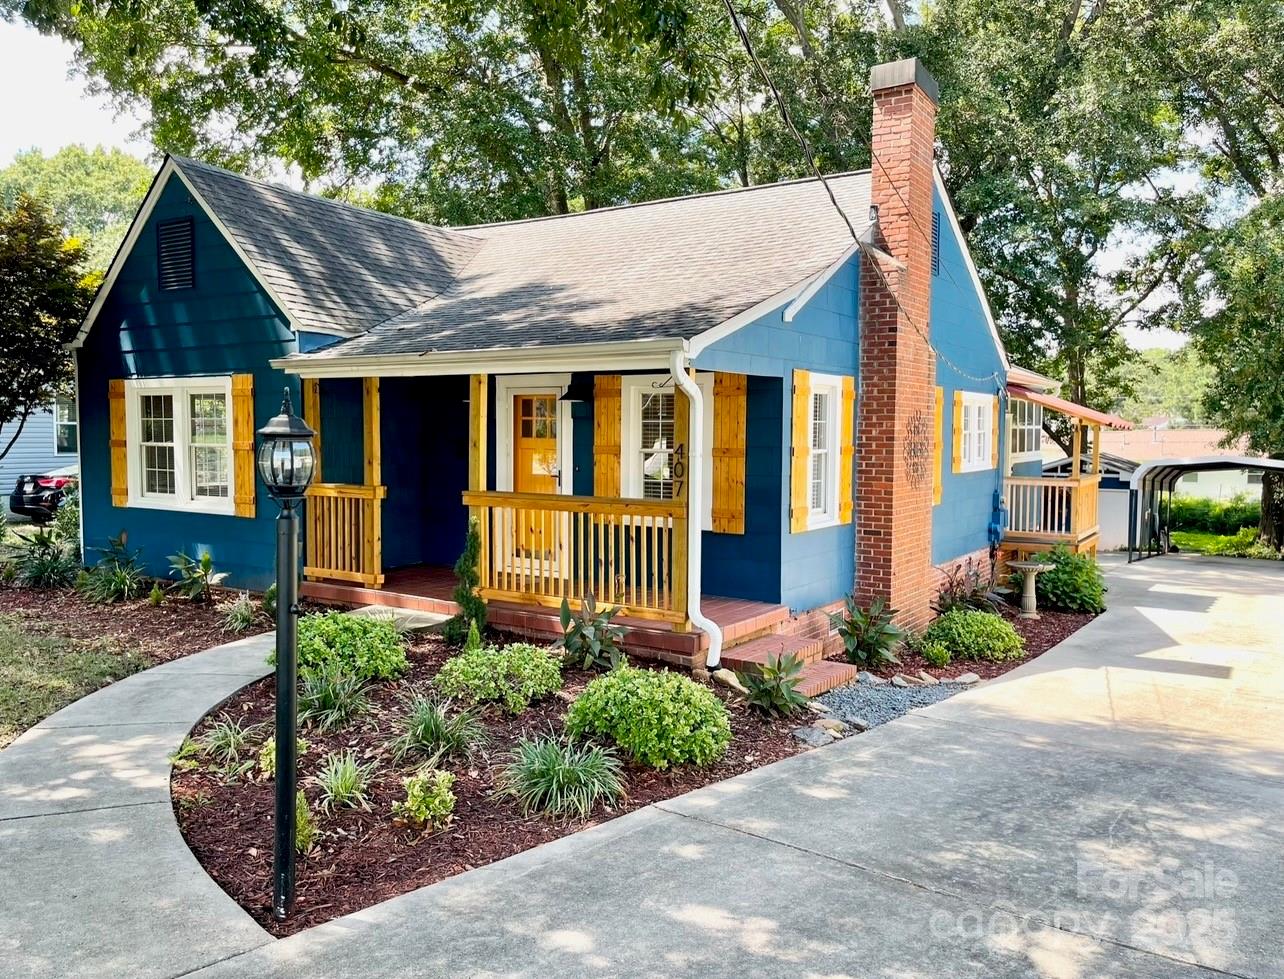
512 676
869 637
1075 583
196 578
590 636
970 634
365 647
774 691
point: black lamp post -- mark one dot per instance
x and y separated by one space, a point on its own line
285 465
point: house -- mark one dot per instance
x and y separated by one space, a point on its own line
1156 442
719 412
45 442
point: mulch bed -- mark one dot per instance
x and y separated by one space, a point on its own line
362 857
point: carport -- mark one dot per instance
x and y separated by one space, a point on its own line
1151 493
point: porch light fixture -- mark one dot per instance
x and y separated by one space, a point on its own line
578 390
285 464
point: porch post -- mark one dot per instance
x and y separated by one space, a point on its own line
478 391
1096 448
1076 454
373 473
312 417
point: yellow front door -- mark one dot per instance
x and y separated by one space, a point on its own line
535 471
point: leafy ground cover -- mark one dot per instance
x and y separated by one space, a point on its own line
1196 541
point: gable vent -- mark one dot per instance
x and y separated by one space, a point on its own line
176 254
936 242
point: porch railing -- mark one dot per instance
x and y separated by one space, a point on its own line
541 548
344 538
1052 510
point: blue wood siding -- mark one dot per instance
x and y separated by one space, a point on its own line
225 325
33 453
968 360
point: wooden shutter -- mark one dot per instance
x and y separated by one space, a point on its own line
730 409
606 435
994 435
846 450
243 443
119 459
938 447
799 483
958 432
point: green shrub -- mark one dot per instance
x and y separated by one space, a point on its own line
156 595
656 718
117 577
227 742
967 585
1224 517
329 697
1246 542
429 800
371 649
969 634
472 607
66 520
935 652
774 691
560 778
267 755
43 561
868 635
433 731
239 613
305 828
197 579
512 676
1074 584
589 635
268 602
343 781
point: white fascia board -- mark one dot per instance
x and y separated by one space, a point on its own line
1031 379
818 282
702 341
948 206
566 358
159 184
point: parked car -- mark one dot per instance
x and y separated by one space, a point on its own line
39 496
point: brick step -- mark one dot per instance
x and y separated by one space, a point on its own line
752 656
821 677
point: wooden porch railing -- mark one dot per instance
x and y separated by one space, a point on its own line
344 533
1051 510
542 548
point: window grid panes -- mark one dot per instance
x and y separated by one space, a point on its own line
820 448
1026 427
210 450
156 420
657 445
537 416
64 425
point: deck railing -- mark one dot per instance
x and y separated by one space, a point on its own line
541 548
1051 510
344 538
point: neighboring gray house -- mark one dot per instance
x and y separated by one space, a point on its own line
48 441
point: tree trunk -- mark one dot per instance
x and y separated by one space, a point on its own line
1272 525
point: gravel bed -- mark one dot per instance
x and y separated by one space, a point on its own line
876 705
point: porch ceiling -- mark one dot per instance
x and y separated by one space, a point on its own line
1082 412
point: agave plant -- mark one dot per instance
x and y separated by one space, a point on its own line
774 691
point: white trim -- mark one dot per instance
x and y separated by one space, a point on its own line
830 385
1224 463
818 281
701 342
161 181
1029 455
182 499
1031 379
508 385
632 387
948 207
984 455
76 424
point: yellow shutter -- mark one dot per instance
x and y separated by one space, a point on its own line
119 463
957 465
846 450
243 443
730 409
995 431
606 435
799 502
312 418
938 446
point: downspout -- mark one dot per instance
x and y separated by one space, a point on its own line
695 504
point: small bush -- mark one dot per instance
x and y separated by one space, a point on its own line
589 635
187 757
559 778
239 613
967 585
512 676
305 828
117 577
656 718
268 602
330 697
429 802
868 635
774 691
227 742
1224 517
433 731
1246 542
969 634
1074 584
156 595
267 755
66 521
371 649
472 607
935 652
197 578
343 781
42 561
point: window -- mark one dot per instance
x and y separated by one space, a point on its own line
179 443
656 446
1254 477
653 462
826 395
976 426
175 254
1025 430
64 426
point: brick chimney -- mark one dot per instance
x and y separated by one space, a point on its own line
897 366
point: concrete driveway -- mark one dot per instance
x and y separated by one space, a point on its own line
1114 808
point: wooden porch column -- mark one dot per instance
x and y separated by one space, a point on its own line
1096 448
1076 453
312 417
681 461
373 472
478 391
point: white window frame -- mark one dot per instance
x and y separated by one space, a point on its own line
74 425
1031 423
180 390
507 386
977 427
831 386
633 387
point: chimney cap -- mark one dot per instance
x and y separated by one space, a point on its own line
909 71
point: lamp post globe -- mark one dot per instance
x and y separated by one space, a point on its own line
285 463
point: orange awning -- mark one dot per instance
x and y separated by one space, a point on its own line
1085 414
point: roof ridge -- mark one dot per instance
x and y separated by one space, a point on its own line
722 192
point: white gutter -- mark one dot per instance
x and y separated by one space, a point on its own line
695 503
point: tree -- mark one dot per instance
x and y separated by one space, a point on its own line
43 299
1171 384
94 193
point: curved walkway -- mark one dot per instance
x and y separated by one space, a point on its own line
1111 808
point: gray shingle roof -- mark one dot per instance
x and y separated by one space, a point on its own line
334 266
665 269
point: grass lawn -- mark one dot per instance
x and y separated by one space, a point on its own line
40 674
1196 541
